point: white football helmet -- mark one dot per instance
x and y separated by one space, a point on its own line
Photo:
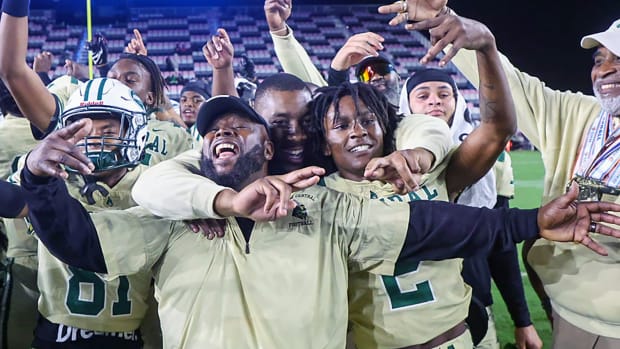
105 98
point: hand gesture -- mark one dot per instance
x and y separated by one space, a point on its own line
43 62
414 10
209 227
357 48
59 149
76 70
459 31
136 45
564 219
403 169
269 198
527 338
99 49
219 51
277 12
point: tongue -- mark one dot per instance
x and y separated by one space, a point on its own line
226 154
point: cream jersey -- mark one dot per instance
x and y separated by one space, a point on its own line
577 280
82 299
504 176
386 311
15 140
185 195
286 287
164 139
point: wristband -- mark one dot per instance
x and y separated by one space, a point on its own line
16 8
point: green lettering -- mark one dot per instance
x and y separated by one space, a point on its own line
430 195
421 293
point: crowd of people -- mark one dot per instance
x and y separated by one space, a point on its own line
303 211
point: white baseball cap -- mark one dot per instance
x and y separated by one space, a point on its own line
610 38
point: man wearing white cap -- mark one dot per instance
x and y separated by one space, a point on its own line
579 141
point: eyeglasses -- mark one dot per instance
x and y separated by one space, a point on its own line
371 70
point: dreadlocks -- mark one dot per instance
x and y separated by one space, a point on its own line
328 97
158 84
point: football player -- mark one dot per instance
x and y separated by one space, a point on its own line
276 284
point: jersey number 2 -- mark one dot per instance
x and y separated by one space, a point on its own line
402 298
96 303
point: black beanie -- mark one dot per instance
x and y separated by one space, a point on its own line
430 74
198 86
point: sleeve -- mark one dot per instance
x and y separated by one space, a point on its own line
295 60
504 176
12 200
173 189
422 131
440 230
547 117
54 122
505 271
337 77
61 222
112 242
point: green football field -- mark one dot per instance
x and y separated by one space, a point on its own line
528 174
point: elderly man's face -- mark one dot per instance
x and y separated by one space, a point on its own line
606 80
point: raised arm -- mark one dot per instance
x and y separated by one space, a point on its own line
479 151
290 53
219 52
33 99
357 47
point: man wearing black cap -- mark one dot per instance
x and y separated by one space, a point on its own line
193 94
278 278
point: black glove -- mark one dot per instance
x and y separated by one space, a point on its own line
99 48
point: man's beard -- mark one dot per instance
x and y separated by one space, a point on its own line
609 105
246 165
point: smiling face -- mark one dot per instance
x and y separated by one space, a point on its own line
287 113
353 137
606 80
230 144
435 98
189 103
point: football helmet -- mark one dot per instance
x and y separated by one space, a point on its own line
105 98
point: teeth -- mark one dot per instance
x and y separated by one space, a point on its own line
224 147
295 152
359 148
608 86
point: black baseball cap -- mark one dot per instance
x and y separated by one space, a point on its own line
217 106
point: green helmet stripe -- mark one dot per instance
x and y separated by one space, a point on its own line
100 91
87 90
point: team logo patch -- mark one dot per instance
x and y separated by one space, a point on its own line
300 212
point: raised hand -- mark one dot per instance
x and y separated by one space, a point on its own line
209 227
219 51
76 70
403 169
99 49
268 198
414 10
136 45
564 220
276 13
43 62
459 31
357 48
59 149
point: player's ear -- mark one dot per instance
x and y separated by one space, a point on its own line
268 145
150 99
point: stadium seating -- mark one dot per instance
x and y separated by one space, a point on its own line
321 29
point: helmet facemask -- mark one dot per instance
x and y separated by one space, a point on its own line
124 149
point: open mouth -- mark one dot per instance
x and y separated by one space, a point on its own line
295 155
225 150
608 88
